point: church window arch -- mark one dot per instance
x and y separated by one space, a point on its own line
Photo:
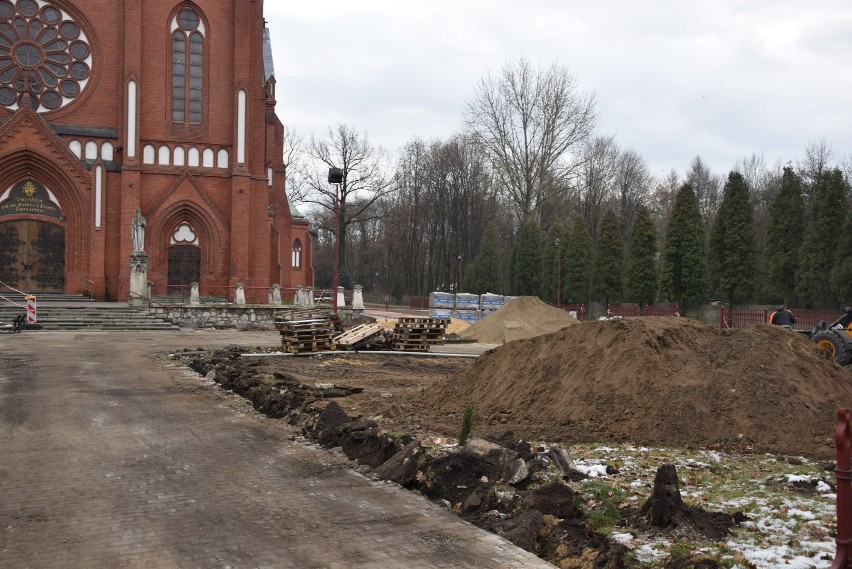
187 49
297 253
148 154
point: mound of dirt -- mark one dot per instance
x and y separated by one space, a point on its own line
523 317
657 381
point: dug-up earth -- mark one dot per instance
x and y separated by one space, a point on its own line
623 397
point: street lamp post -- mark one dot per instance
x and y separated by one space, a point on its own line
335 177
558 275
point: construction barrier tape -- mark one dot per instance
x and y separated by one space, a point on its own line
13 289
12 302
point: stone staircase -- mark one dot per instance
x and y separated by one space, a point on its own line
68 312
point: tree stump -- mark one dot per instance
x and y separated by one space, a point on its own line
665 503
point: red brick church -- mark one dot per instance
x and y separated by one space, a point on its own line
109 106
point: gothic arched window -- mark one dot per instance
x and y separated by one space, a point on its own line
187 67
297 253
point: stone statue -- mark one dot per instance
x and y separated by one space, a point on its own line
138 231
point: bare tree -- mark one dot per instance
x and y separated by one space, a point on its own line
596 181
294 164
818 155
633 183
707 188
366 178
529 120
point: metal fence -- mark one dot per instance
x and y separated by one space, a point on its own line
806 319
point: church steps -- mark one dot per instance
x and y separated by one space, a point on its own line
89 318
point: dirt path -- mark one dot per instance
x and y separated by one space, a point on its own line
108 460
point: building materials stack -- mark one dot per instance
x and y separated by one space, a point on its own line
441 304
417 334
306 329
467 308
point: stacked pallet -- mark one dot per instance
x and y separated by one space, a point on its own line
417 334
299 336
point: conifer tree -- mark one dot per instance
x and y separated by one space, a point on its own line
682 278
526 260
785 229
485 274
609 260
731 260
577 260
841 275
826 215
551 260
641 285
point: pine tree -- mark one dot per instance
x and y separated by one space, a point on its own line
641 285
682 278
577 260
485 274
552 260
819 251
731 259
609 260
785 228
526 259
841 275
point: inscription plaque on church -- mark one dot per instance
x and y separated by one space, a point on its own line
29 198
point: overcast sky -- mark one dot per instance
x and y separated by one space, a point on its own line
673 79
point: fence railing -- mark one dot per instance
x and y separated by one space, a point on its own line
806 319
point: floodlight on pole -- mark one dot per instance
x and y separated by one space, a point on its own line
458 273
335 177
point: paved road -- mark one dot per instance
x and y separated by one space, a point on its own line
108 459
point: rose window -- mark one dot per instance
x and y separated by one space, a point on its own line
44 55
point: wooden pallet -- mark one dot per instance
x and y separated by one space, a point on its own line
292 314
425 321
358 335
306 334
417 334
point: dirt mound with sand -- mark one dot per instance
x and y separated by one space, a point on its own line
523 317
657 381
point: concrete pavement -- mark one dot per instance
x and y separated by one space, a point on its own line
110 459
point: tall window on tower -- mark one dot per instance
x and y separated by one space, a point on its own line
187 67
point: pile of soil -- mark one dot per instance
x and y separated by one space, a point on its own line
657 381
523 317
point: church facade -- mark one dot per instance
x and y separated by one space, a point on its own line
166 107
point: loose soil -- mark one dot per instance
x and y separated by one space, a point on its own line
523 317
654 381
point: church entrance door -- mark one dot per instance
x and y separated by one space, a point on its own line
32 256
184 267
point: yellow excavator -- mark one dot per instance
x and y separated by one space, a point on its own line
835 339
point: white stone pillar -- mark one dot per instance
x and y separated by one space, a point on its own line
358 298
138 280
341 302
305 298
195 295
276 294
240 295
150 290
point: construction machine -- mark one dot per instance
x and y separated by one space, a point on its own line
835 339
